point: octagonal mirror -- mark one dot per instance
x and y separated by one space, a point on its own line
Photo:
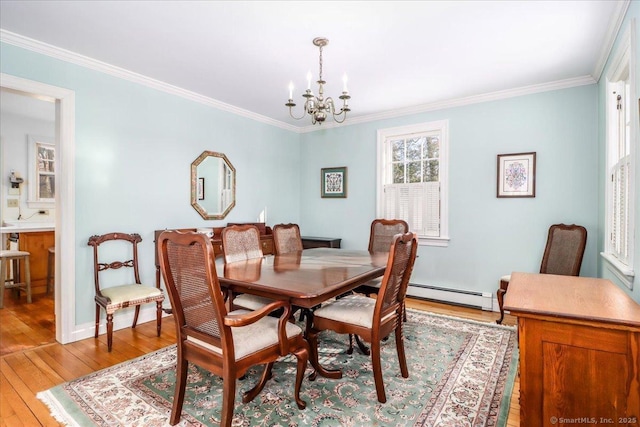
213 185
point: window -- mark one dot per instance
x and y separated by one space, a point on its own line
620 110
42 174
412 179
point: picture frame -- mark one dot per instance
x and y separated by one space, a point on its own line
200 194
517 175
333 182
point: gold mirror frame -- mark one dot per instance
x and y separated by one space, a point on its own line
200 184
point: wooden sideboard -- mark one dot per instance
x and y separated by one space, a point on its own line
320 242
266 241
579 342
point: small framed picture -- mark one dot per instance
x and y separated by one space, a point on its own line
201 188
517 175
333 182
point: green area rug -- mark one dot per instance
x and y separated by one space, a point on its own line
461 373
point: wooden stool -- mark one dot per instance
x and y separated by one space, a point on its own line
51 261
15 281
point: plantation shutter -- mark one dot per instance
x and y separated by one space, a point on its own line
416 203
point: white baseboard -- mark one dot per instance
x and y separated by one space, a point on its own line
121 319
482 300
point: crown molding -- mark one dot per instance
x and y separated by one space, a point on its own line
460 102
614 28
84 61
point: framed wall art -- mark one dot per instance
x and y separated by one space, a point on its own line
333 182
517 175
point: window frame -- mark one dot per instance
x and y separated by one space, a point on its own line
622 64
34 200
442 128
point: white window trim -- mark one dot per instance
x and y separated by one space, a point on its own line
625 55
443 127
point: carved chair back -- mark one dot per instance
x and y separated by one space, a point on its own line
383 231
241 242
286 238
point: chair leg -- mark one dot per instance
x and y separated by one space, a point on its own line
159 316
109 331
312 338
302 354
135 316
500 296
402 359
27 277
3 278
178 395
228 398
97 321
377 371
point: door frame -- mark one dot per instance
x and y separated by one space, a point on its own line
65 273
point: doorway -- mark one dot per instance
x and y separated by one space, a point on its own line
64 282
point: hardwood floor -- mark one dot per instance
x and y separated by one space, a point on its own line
31 362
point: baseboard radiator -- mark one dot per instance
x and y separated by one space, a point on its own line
482 300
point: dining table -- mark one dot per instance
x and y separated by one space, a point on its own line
305 279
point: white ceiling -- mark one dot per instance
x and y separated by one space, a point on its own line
397 54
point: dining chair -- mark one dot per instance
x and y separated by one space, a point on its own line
562 255
286 238
380 240
20 278
240 243
225 343
128 294
373 319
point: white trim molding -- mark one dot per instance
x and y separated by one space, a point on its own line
84 61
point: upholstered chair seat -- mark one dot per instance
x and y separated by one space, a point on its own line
251 339
352 309
126 295
251 302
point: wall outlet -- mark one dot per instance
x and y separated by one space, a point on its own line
12 203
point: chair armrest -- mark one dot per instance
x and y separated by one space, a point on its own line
253 316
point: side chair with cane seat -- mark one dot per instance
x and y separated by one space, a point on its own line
372 319
130 294
562 255
241 243
225 343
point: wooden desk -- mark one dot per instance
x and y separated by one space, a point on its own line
309 242
579 344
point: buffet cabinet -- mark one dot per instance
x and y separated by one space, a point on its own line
579 342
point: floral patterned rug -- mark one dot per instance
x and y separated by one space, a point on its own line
461 373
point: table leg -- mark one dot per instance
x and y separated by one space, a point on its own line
312 338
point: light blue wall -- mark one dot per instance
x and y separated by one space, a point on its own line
134 148
490 237
603 268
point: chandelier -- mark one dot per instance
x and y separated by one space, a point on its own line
316 106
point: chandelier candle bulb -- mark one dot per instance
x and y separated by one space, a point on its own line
309 80
290 91
344 82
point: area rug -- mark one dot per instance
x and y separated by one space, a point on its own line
461 373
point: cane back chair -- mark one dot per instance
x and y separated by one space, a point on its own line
372 319
225 343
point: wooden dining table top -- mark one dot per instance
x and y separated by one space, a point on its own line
304 278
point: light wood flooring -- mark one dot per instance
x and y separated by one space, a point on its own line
31 360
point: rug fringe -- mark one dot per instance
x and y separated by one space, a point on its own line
57 410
